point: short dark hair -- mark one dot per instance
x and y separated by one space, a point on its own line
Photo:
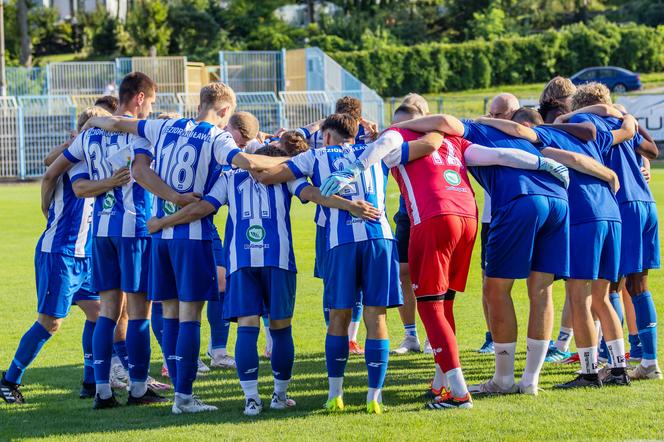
134 83
349 105
107 102
408 109
549 110
527 115
343 124
271 151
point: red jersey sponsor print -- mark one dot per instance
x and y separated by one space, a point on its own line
437 184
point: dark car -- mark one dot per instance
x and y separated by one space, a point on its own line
618 80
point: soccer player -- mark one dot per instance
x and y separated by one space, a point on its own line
355 249
528 238
444 225
183 275
120 244
62 271
502 106
595 231
640 236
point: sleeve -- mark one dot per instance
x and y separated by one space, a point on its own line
468 128
303 164
74 153
225 148
141 146
388 147
150 129
581 118
544 137
253 146
638 140
218 195
604 141
78 171
463 144
295 186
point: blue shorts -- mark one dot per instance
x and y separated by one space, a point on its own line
120 263
321 252
531 233
182 269
86 293
58 278
640 237
367 270
218 252
596 250
253 291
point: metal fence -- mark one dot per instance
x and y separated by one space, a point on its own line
302 108
79 78
9 152
25 81
253 71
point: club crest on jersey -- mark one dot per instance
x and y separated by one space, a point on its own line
169 208
255 233
452 177
109 200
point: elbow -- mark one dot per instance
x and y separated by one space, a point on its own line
79 191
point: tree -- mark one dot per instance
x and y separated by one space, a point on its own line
489 24
26 45
147 23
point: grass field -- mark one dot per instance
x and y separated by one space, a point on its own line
54 411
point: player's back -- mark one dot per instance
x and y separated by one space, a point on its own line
122 211
623 159
258 227
341 226
590 198
68 224
504 184
187 157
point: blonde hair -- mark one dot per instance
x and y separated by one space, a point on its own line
558 88
89 112
589 94
169 116
245 123
417 101
217 94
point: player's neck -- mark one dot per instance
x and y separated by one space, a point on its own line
126 111
207 116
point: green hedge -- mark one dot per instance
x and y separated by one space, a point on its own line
431 68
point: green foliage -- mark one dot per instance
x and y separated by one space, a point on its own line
147 23
396 70
49 35
489 24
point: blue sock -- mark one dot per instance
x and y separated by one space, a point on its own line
120 348
138 349
31 343
88 366
169 343
218 326
614 299
646 322
102 348
157 321
376 356
326 316
283 353
266 321
336 355
189 345
411 329
635 348
357 312
246 353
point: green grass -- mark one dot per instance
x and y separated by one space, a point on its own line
54 410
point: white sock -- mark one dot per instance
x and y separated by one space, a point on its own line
353 328
336 387
457 382
217 352
564 339
268 337
104 391
374 395
617 353
598 330
648 362
588 359
504 354
250 389
439 379
280 387
138 389
535 354
180 397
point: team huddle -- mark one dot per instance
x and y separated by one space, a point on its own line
130 239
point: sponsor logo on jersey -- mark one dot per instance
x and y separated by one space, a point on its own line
109 200
169 208
255 233
452 177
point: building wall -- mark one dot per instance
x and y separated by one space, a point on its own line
68 8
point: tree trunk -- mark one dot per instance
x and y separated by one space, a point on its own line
26 45
311 11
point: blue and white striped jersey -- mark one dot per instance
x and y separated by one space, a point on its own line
68 225
122 211
315 139
341 226
187 156
258 227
